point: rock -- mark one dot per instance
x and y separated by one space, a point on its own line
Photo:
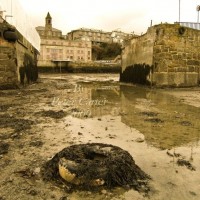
186 123
36 143
63 198
33 192
103 191
139 140
186 163
37 170
4 148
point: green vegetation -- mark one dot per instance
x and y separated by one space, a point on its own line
106 51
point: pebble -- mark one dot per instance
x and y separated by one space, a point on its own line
89 193
103 191
33 192
139 140
37 170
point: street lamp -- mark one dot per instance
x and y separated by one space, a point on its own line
198 9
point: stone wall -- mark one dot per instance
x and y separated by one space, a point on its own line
139 50
176 56
17 58
8 67
171 53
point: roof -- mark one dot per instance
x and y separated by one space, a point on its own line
90 30
48 15
42 28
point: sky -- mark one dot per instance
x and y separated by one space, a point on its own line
107 15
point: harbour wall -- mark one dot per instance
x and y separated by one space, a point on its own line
167 55
18 58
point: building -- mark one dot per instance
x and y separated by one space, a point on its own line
93 35
166 55
119 36
98 36
56 48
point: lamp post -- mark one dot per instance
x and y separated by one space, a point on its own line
198 9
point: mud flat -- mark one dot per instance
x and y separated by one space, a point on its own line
159 130
190 96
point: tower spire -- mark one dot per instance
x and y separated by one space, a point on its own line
48 24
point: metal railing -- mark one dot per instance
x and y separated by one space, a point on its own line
190 25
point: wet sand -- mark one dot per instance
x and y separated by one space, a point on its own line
157 127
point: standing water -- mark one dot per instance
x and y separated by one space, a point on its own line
156 128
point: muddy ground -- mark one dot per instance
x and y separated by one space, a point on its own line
160 128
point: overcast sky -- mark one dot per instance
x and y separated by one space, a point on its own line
108 15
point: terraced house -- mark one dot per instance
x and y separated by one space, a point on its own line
99 36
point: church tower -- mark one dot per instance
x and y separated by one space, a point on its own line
48 24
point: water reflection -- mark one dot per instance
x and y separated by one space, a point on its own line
162 119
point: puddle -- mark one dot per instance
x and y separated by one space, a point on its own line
154 127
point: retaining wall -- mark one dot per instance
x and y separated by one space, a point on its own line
167 55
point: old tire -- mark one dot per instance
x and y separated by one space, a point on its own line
95 164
